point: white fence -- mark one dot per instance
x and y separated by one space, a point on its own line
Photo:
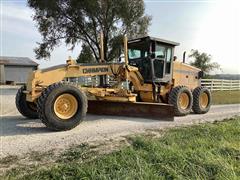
212 84
221 84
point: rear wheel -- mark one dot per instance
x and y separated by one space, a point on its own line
181 98
201 100
62 106
27 109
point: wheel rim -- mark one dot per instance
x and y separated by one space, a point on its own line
204 100
184 100
65 106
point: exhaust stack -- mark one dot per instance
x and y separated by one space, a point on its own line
101 47
184 56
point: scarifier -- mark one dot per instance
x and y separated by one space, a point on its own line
156 87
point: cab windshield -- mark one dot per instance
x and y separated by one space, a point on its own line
138 50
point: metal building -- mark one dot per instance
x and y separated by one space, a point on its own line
15 69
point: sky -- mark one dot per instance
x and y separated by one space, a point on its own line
208 26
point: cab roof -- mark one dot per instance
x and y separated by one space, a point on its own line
172 43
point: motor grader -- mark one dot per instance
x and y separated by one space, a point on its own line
156 87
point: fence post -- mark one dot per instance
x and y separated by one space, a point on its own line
238 85
211 85
230 84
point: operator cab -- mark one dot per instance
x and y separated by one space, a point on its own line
153 57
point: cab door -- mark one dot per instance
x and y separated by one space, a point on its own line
162 63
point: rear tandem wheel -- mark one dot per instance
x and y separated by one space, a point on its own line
202 100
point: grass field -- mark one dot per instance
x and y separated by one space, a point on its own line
206 151
226 97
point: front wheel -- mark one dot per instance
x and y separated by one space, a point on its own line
62 106
27 109
202 100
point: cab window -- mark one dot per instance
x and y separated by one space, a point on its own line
134 53
169 54
160 52
168 61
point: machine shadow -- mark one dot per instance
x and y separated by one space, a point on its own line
18 125
93 117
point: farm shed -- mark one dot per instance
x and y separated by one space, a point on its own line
15 69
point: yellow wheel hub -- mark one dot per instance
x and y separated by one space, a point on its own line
184 101
65 106
204 100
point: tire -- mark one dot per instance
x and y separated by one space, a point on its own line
54 116
181 108
27 109
202 100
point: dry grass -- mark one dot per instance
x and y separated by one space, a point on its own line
226 97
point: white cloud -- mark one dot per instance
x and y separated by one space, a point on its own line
14 11
17 19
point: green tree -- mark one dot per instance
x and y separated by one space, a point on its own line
85 55
203 61
81 21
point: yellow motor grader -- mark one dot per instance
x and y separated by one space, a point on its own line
156 87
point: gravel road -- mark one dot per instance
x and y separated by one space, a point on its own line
20 136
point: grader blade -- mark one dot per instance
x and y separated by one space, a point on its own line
155 111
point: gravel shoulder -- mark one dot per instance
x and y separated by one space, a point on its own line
20 135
